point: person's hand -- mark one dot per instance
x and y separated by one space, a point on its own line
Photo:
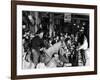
44 49
41 49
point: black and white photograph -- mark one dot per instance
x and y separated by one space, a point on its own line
54 40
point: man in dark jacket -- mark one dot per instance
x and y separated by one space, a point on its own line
37 44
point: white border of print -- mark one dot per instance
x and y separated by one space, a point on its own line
21 71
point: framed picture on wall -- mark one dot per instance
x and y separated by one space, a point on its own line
53 39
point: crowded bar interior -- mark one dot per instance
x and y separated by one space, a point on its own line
65 39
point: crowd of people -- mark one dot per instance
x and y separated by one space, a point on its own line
45 49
